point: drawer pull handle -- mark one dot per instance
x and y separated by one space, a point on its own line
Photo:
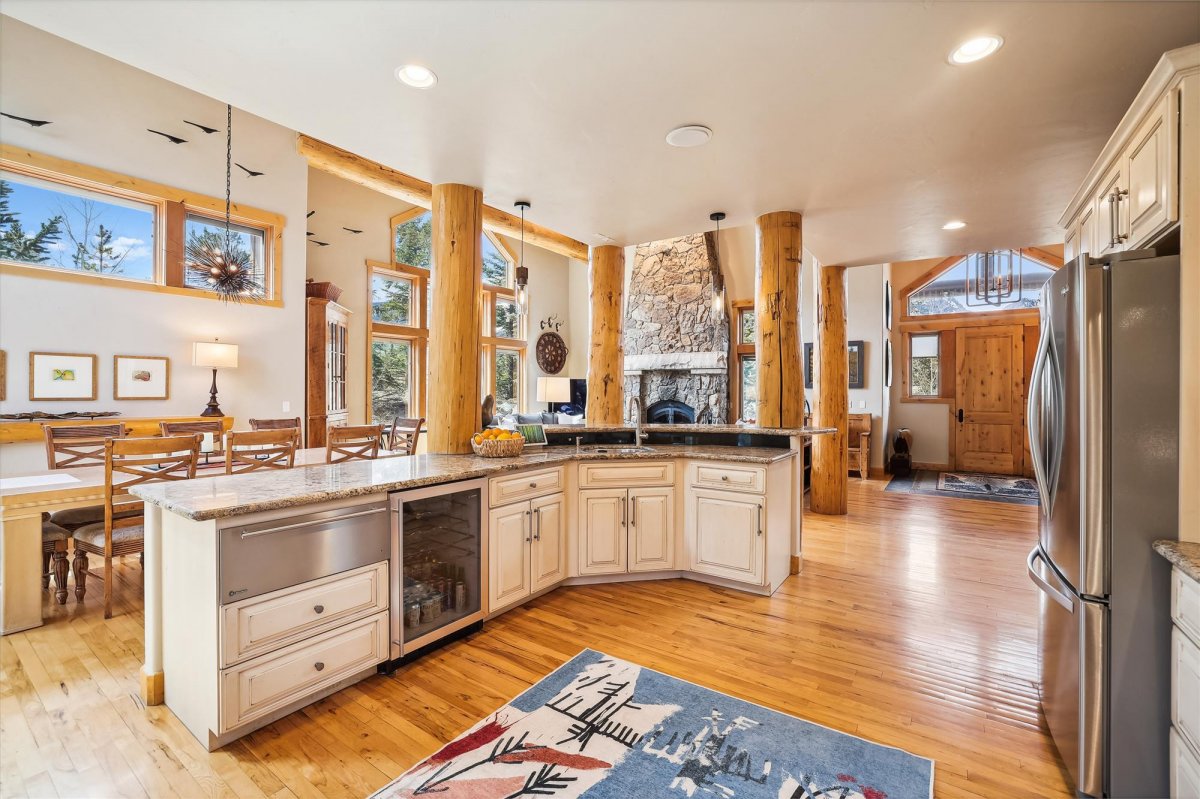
319 666
533 485
725 478
318 609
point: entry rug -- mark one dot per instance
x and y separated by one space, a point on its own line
603 728
994 487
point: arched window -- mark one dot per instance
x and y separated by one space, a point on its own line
999 280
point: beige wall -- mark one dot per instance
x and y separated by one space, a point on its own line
100 109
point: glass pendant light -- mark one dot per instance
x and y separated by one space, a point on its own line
522 270
718 285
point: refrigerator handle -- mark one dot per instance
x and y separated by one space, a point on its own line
1033 405
1041 582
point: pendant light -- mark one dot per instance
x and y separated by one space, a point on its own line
718 285
522 270
217 261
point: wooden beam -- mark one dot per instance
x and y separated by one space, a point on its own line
606 356
454 347
829 480
777 314
384 179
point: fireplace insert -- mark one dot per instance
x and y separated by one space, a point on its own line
670 412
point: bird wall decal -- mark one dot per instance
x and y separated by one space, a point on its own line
250 173
351 230
319 243
168 136
309 214
35 123
309 233
204 128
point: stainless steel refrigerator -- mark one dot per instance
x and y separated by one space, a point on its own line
1103 422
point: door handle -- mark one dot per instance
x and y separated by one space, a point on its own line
1044 584
537 526
960 415
1120 194
527 526
759 509
1033 403
632 512
623 512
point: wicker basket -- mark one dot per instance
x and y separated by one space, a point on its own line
493 448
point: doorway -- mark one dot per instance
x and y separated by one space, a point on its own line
989 409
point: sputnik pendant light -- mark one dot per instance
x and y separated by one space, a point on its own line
718 285
220 261
522 270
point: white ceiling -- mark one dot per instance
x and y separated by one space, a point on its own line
845 111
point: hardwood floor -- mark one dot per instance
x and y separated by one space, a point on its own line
913 625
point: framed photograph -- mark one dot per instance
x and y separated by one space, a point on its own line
141 377
887 305
887 363
61 376
808 364
3 375
857 352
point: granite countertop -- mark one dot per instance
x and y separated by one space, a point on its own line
1183 554
693 428
253 492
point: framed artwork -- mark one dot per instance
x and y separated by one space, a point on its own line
808 364
887 305
857 352
3 375
141 377
61 376
887 363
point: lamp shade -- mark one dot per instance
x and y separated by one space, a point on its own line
554 389
214 355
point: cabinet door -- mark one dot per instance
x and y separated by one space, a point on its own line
1108 226
1071 242
1185 768
1148 205
1085 242
651 529
548 555
603 541
508 555
725 536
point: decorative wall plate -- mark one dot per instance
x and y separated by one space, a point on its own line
551 352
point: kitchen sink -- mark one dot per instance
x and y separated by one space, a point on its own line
605 449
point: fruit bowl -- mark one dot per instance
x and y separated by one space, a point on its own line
498 447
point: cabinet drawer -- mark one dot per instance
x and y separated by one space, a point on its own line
728 476
254 626
1185 603
1185 769
526 485
626 475
1185 687
260 686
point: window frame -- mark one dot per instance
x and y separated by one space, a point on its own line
741 352
1049 260
417 335
941 338
172 207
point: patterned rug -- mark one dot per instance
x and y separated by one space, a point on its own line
602 728
993 487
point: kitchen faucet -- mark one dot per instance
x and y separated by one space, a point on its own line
637 421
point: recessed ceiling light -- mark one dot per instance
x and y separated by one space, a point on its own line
689 136
975 49
956 224
415 75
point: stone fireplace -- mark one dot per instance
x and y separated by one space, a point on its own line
676 348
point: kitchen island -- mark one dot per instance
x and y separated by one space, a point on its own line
269 590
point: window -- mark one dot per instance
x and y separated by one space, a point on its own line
100 227
747 326
391 299
506 380
391 379
414 240
507 318
398 341
497 268
1017 274
748 388
745 368
924 365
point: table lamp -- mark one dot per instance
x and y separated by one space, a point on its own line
553 389
214 355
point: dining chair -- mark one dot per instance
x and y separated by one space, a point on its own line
404 435
277 424
77 446
215 426
353 442
251 450
54 557
129 462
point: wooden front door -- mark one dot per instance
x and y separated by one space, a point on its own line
989 391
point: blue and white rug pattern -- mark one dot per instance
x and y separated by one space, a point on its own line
603 728
1013 489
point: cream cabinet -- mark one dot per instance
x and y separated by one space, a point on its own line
1150 182
1185 686
651 529
626 530
725 538
527 549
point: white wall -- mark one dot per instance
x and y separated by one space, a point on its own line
341 204
100 110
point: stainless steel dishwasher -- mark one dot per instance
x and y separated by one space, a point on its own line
266 556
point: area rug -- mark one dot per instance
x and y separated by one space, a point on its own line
971 485
602 728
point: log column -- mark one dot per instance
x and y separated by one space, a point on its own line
777 312
830 456
606 355
454 346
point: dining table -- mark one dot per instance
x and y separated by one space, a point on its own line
25 497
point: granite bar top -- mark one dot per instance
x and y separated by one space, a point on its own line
1183 554
692 428
253 492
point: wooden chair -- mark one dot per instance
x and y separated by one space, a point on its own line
404 435
216 427
76 446
859 438
54 551
277 424
140 460
353 442
251 450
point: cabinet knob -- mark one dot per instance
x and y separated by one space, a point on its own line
533 485
318 608
319 666
725 478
